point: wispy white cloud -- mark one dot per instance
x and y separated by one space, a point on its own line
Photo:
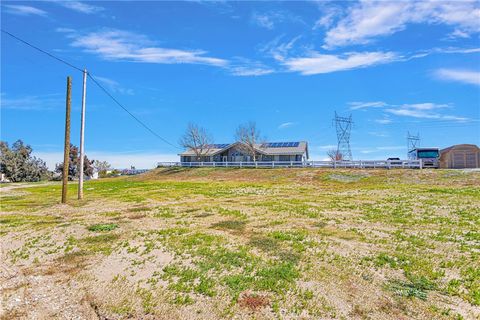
114 86
218 6
32 102
458 75
411 111
23 10
264 20
246 67
65 30
367 20
317 63
297 57
427 110
328 15
448 50
79 6
384 120
244 71
278 49
118 45
270 19
286 125
121 45
458 34
365 105
423 111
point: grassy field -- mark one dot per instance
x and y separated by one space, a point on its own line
245 243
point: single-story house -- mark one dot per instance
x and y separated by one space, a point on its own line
460 156
236 152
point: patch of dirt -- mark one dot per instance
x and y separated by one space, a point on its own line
41 297
133 266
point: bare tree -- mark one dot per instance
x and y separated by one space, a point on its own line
334 155
101 166
249 136
196 139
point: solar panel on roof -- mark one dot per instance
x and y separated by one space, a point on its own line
280 144
219 145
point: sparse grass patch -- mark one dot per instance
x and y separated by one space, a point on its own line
290 243
103 227
14 221
230 212
103 243
288 235
234 225
276 277
407 289
164 212
345 177
139 209
263 243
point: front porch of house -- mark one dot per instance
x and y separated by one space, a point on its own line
225 157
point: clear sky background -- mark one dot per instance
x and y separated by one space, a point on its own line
395 66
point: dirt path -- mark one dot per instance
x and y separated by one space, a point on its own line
18 185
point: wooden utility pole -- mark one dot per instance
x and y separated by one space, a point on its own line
82 134
66 154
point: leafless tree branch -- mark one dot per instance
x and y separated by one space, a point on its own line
196 139
334 155
249 136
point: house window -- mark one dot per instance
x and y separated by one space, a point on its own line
284 158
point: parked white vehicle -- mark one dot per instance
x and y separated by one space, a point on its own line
429 156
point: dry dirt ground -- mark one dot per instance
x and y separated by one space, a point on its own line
245 244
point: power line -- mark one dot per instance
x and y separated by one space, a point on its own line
127 111
96 82
42 51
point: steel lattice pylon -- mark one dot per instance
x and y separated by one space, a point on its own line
412 141
343 125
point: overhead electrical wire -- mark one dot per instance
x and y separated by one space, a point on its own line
127 111
97 83
42 51
425 124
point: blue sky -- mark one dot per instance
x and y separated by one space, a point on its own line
395 66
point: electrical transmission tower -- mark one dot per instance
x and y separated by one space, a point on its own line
412 141
343 125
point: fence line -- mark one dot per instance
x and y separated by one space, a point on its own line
361 164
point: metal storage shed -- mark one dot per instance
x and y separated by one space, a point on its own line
460 156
